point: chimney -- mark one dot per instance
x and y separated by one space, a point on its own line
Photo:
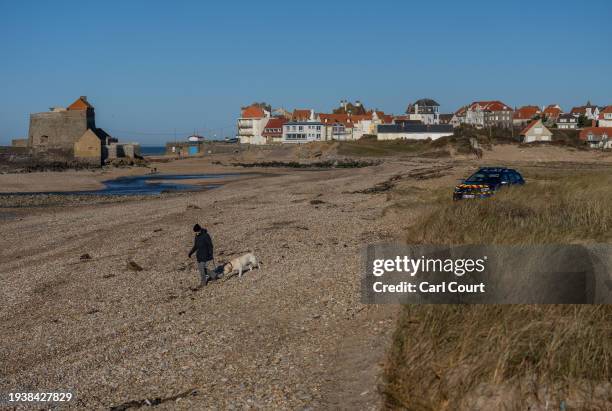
84 98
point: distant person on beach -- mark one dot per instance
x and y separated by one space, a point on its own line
203 248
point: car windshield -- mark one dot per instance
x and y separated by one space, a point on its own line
484 178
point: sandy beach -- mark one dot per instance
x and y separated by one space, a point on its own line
291 334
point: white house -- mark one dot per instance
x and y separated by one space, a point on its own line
605 117
589 110
251 125
536 131
525 114
368 123
303 132
350 126
567 121
413 131
458 117
597 137
424 110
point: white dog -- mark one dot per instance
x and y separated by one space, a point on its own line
240 264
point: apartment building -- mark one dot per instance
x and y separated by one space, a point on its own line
303 132
251 124
489 114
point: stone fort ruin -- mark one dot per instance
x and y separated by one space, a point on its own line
66 134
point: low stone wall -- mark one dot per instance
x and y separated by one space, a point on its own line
121 150
7 150
19 142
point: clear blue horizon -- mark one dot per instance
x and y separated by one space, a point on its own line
155 68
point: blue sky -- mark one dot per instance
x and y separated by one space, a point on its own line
152 67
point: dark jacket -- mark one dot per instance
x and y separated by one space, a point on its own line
202 246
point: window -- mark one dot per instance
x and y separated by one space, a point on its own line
301 128
43 143
517 177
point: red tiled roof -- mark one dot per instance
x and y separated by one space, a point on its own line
330 118
359 117
274 127
552 111
275 122
526 112
607 109
253 112
596 131
528 127
461 111
494 105
300 114
345 119
578 110
80 103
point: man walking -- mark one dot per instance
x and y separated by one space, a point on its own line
203 248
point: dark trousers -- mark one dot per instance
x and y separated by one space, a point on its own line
205 272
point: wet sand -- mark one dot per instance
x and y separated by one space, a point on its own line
81 180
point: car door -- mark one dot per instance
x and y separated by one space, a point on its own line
518 178
505 179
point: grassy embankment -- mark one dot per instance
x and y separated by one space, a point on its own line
370 147
506 357
458 143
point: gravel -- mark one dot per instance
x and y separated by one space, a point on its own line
291 335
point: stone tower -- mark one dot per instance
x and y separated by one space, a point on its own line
53 133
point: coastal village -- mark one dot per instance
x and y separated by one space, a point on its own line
422 120
71 134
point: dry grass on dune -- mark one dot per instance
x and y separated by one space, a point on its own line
507 357
370 147
549 210
500 357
